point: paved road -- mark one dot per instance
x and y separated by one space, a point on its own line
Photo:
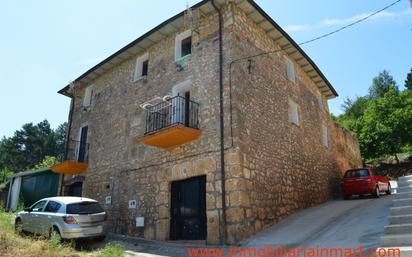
347 224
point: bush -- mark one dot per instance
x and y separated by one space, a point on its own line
112 250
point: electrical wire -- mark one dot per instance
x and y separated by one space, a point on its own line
324 35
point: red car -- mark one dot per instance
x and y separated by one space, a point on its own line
362 182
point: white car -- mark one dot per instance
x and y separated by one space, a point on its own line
66 216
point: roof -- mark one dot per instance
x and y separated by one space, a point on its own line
173 25
69 199
30 172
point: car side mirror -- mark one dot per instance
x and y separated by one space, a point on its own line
28 209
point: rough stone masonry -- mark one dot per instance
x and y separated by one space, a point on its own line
274 167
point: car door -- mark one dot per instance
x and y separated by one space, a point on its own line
48 217
33 223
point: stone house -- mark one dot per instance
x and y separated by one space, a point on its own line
195 132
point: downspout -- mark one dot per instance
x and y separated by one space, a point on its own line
66 150
222 136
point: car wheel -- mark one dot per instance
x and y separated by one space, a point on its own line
346 197
377 192
389 189
55 235
18 226
100 238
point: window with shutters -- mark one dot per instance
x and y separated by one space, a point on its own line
325 135
294 112
320 101
142 67
183 45
290 70
88 94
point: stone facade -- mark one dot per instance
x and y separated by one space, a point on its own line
273 167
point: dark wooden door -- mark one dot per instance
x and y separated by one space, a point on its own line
188 209
75 189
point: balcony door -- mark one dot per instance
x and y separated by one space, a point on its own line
181 103
82 145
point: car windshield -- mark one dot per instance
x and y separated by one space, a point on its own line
357 173
84 208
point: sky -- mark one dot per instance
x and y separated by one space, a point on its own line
44 44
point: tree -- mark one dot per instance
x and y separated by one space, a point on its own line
408 81
381 85
30 145
387 124
353 110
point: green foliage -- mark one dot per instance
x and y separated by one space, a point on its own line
30 145
111 250
408 81
54 239
381 85
382 120
5 174
48 161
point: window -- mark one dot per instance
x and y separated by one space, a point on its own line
325 135
52 206
88 93
357 173
186 46
84 208
142 67
183 44
293 112
290 70
320 101
38 207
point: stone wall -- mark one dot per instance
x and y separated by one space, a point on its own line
273 168
125 169
285 167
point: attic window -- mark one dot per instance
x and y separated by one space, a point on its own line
142 67
186 46
290 70
183 44
87 99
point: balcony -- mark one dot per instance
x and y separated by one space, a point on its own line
76 160
172 122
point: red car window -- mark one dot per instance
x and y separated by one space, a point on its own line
357 173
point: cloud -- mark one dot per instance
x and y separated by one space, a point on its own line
344 21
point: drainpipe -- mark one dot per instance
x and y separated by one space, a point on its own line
66 150
222 136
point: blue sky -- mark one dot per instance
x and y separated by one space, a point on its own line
45 44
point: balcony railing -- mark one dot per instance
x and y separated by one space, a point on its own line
176 110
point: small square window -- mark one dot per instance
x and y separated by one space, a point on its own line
183 44
142 67
290 70
88 94
186 46
293 112
145 67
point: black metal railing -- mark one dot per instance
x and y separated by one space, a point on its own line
176 110
78 151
